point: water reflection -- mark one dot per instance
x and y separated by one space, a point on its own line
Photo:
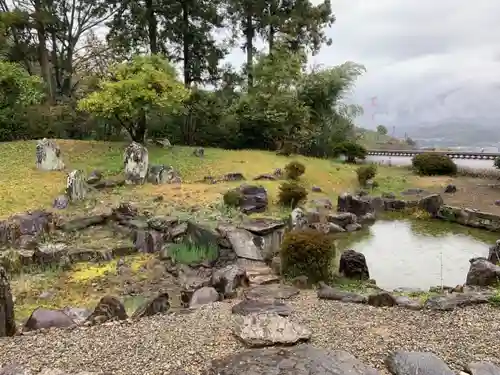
418 254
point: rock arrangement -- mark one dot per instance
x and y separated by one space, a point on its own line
48 156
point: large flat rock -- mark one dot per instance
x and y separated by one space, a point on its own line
416 363
298 360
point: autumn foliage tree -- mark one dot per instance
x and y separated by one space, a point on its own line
134 91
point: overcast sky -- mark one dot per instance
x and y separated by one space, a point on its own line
426 60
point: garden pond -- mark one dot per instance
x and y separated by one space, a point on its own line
418 254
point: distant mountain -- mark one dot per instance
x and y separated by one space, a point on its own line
454 132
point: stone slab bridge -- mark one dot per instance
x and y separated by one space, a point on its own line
451 154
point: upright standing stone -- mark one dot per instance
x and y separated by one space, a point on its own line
48 156
76 187
7 323
136 161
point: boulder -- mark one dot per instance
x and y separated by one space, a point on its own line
7 321
482 273
76 187
482 368
109 308
431 204
77 314
148 241
233 176
357 205
204 296
50 253
226 280
163 142
245 244
136 162
61 202
265 329
302 359
48 156
450 189
252 306
94 177
252 198
416 363
45 318
381 299
199 152
163 174
342 219
157 305
494 253
298 219
353 265
271 292
334 294
449 302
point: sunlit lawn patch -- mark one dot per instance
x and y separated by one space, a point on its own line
23 187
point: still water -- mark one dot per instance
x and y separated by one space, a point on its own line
418 254
403 160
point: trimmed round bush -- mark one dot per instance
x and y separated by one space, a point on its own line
294 170
365 173
433 164
291 194
351 150
308 252
232 198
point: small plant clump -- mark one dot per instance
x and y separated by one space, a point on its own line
432 164
365 173
291 194
294 170
186 253
232 198
308 252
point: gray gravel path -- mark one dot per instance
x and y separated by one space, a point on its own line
161 344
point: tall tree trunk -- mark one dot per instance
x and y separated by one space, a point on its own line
43 54
152 27
186 44
138 132
272 34
249 33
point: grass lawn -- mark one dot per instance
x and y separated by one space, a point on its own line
23 187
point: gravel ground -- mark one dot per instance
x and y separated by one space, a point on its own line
161 344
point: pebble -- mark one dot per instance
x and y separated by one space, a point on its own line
165 343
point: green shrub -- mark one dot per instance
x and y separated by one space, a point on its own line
351 150
186 253
496 163
11 261
232 198
291 194
308 252
294 170
433 164
365 173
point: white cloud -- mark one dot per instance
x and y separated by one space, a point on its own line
426 59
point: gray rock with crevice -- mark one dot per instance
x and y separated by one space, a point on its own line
267 329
